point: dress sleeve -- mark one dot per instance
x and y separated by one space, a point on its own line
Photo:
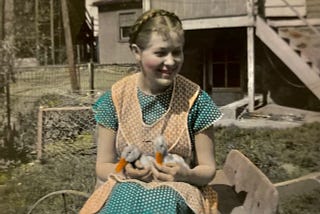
203 113
104 112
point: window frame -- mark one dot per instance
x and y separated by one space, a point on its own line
121 25
225 62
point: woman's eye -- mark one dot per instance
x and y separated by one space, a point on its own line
176 53
160 53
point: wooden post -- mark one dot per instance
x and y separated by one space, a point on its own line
91 77
146 5
204 70
69 47
36 26
53 59
7 82
78 54
39 133
92 50
250 56
2 19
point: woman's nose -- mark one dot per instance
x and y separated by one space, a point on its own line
170 59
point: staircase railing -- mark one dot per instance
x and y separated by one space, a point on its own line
305 21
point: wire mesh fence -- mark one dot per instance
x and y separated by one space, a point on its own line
65 115
63 124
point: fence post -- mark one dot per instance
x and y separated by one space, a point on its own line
91 77
8 97
39 137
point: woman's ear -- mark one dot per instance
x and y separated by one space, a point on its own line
136 51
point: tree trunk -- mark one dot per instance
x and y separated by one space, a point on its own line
69 47
1 20
2 83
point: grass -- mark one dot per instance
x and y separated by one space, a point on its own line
70 165
282 154
64 167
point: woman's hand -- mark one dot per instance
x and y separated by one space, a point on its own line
138 172
170 172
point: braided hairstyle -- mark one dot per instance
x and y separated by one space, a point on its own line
154 20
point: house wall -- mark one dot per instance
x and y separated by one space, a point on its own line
111 50
187 9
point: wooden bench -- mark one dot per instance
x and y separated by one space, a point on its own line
243 188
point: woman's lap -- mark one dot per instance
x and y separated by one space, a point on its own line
131 197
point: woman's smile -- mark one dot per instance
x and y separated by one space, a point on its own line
167 72
160 62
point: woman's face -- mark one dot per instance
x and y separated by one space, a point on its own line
160 61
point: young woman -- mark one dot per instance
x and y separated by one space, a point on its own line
155 101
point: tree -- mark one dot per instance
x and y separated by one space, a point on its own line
69 47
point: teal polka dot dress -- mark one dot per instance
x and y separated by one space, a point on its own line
203 113
131 197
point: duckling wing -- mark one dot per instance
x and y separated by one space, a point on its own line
146 160
174 158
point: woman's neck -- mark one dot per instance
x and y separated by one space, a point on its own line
151 88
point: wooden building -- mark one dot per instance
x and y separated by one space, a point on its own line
233 49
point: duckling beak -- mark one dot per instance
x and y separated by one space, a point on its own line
159 158
121 164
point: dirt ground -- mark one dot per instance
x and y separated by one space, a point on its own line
274 116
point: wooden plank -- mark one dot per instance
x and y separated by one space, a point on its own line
73 108
272 3
189 9
208 23
285 11
293 23
262 196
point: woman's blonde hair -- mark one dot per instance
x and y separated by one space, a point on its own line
154 20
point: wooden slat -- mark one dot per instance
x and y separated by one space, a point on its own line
273 3
295 22
262 196
285 11
190 9
208 23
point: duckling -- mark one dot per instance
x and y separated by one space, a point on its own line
131 154
162 155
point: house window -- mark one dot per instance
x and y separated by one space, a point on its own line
126 20
226 68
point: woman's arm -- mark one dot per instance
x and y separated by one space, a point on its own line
205 170
202 173
106 153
